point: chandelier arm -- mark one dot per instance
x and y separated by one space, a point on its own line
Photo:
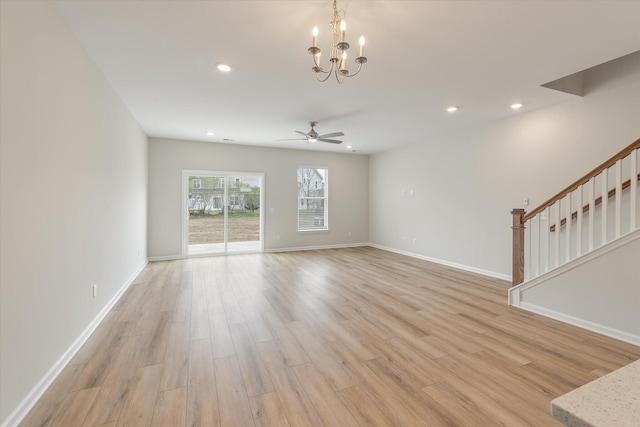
356 73
325 79
338 77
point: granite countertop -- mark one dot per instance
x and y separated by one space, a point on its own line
611 400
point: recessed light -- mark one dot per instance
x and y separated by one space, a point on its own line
210 133
516 106
225 68
452 109
349 147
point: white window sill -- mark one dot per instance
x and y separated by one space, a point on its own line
314 230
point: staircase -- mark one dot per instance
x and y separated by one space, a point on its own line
576 257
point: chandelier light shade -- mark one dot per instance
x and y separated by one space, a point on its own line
339 47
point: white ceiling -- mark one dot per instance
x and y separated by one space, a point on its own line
424 56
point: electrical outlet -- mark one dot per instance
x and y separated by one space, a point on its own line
349 234
95 291
414 240
526 202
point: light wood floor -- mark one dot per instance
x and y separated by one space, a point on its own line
345 337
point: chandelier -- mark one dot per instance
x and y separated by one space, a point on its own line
339 47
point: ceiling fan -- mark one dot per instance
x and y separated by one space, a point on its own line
312 136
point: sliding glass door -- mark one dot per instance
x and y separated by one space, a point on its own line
243 216
222 212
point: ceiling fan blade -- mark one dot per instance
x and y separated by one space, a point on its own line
301 133
331 135
333 141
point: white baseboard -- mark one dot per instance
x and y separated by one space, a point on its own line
21 411
272 250
315 248
176 257
443 262
165 258
582 323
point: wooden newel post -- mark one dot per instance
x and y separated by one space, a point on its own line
518 246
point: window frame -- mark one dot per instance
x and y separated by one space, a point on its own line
324 198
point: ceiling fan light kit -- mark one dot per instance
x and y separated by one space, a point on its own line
339 47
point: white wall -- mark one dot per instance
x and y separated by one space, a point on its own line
587 296
348 191
73 195
465 184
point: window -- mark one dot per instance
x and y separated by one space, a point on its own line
312 199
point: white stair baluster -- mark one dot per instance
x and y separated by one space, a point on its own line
579 222
592 209
604 204
547 215
618 196
557 236
567 248
527 250
633 189
539 246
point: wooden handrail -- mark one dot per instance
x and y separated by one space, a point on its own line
612 161
596 202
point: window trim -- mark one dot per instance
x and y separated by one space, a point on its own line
325 198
